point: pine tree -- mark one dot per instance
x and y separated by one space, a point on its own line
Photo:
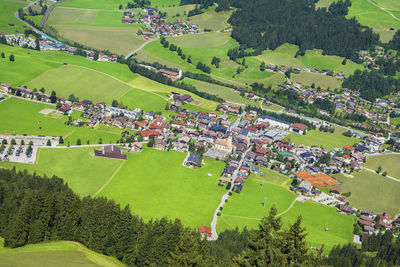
294 244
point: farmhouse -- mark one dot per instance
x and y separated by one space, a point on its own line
205 231
174 76
299 128
110 151
336 190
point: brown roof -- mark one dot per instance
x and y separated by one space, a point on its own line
299 126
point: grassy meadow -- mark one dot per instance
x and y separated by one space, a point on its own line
155 184
55 253
387 162
328 141
8 8
83 172
246 210
372 191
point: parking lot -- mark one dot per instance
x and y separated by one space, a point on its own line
18 153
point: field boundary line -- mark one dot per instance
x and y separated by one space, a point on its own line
109 179
387 176
89 9
289 208
222 217
384 9
242 217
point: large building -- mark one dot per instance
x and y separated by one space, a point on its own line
110 151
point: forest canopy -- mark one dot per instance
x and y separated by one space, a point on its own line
267 24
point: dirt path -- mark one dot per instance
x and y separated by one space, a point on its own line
109 180
384 9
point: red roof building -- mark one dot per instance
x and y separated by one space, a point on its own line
205 231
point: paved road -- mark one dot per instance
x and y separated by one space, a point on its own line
141 48
387 176
26 23
214 234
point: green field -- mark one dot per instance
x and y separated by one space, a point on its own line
374 14
55 253
395 121
285 55
8 8
372 191
212 20
155 184
328 141
95 4
21 117
387 162
246 209
324 81
83 172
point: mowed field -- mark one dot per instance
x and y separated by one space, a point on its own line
246 210
328 141
96 24
9 24
83 172
372 191
389 164
155 184
56 253
86 79
18 116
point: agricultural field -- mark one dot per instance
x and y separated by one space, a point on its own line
8 8
321 80
155 184
372 191
387 162
95 4
164 90
395 121
246 210
285 55
18 116
55 253
226 93
328 141
212 20
83 172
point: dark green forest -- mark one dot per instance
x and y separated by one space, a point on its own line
267 24
35 209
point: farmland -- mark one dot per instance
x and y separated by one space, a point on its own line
246 209
328 141
372 191
387 162
155 184
85 180
8 8
22 117
56 253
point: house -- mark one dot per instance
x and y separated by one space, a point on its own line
186 98
160 145
149 115
299 128
65 109
193 160
174 76
274 122
345 209
205 231
336 190
149 135
137 147
5 87
110 151
367 213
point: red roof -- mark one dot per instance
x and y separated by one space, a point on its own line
299 126
147 133
205 230
350 148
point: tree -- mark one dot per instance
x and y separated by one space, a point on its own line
48 143
379 169
53 97
11 57
96 56
3 55
344 61
167 106
13 142
22 142
100 141
262 66
72 98
151 143
114 103
121 6
78 142
384 173
61 140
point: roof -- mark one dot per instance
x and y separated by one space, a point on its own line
300 126
204 229
193 158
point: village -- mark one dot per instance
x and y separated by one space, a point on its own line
158 26
245 140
